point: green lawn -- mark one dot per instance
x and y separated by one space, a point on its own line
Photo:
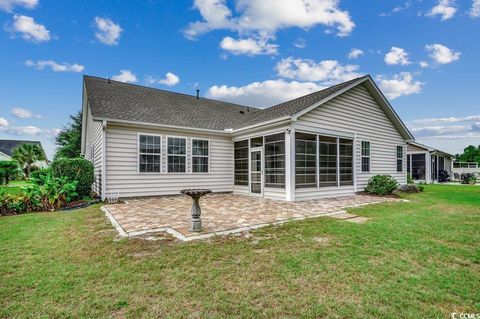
14 187
419 259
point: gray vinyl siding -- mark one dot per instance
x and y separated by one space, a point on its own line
94 150
122 164
356 113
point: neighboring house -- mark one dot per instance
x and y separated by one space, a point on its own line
424 162
145 141
7 146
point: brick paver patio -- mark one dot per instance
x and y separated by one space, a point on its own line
221 213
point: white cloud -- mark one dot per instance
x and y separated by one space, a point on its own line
424 64
443 120
263 18
475 10
248 46
169 80
3 122
399 85
108 32
355 53
30 30
24 113
441 54
397 9
56 67
444 8
397 56
125 76
263 94
326 71
29 130
8 5
300 43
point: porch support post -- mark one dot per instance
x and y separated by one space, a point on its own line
428 166
290 165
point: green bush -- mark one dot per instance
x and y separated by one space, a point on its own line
381 185
75 169
55 193
38 177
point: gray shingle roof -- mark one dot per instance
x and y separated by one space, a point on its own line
120 101
7 146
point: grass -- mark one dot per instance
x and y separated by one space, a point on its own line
419 259
14 187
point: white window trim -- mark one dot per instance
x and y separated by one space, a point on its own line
167 154
138 152
369 156
192 156
398 158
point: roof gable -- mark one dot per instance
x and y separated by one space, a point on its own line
377 95
112 100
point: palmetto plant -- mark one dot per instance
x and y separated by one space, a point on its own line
26 155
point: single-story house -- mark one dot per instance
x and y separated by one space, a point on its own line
146 142
424 162
7 146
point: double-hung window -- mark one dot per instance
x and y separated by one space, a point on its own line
200 156
177 154
365 156
399 158
149 153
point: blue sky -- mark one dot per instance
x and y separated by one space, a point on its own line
423 54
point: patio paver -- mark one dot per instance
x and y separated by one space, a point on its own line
221 213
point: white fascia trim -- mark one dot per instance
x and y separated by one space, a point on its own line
159 125
104 159
84 121
425 147
262 124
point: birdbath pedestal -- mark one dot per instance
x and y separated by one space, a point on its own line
195 194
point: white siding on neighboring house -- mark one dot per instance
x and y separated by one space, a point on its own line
355 113
94 150
122 163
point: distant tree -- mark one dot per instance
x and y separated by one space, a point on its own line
26 155
69 140
470 154
8 170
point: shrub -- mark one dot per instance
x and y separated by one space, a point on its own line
381 185
75 169
54 194
410 188
8 171
38 177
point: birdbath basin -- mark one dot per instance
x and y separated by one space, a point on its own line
195 194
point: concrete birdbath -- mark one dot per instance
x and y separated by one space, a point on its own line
195 194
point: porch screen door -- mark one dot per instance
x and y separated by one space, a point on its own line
256 185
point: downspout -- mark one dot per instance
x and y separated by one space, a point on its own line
104 159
